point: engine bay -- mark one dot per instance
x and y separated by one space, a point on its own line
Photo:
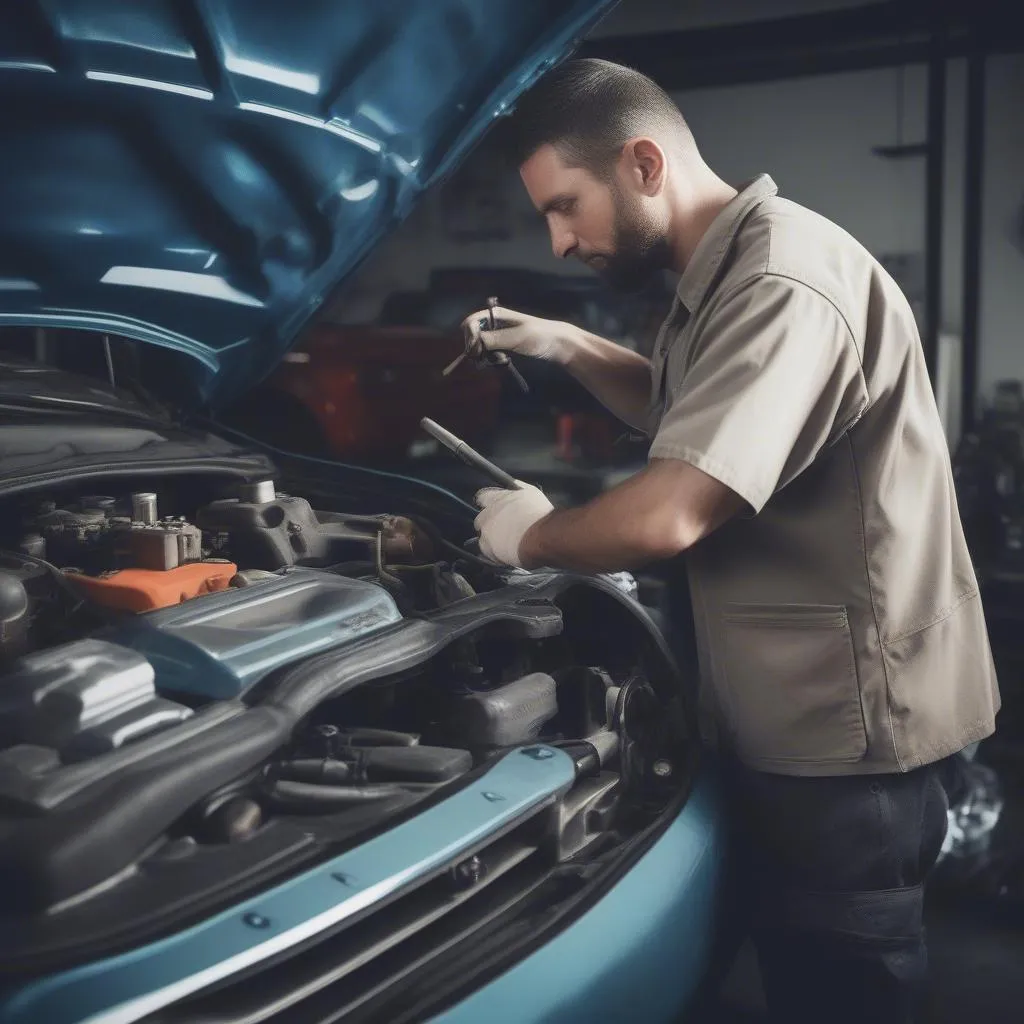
133 617
199 684
126 555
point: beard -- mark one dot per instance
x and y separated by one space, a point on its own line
641 250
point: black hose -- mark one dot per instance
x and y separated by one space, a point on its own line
309 796
315 770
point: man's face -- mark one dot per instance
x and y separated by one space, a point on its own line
603 224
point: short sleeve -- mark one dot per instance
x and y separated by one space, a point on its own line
775 378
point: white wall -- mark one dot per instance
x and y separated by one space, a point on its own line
814 136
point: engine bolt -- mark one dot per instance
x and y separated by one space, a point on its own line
466 874
538 753
328 735
662 768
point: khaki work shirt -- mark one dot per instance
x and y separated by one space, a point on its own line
839 625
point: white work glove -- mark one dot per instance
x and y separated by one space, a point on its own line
520 333
505 517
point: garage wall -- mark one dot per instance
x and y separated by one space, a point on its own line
1002 269
815 136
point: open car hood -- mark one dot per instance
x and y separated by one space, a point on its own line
203 175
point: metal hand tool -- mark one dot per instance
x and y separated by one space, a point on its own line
468 455
488 358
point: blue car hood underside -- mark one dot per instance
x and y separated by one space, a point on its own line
203 174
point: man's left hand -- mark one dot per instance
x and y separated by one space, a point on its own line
506 517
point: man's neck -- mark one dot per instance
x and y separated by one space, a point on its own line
699 205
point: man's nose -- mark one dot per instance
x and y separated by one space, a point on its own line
562 242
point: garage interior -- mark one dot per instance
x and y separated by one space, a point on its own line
902 121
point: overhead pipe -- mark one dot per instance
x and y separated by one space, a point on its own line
974 170
858 38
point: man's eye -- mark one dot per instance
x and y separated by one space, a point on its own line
563 207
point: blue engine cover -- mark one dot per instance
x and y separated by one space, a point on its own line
218 646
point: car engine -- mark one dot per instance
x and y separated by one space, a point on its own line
120 556
167 611
125 555
196 684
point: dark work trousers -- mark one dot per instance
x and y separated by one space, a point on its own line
835 869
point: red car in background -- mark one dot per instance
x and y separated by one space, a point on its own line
359 392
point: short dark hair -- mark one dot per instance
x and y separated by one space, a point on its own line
588 109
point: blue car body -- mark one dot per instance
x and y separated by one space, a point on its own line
639 953
201 177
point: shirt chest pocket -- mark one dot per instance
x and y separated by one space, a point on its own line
790 677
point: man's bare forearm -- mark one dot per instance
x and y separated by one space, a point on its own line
615 376
589 539
657 514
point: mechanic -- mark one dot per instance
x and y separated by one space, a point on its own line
798 458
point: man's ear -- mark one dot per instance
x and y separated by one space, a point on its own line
645 165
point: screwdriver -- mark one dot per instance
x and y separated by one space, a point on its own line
489 358
469 456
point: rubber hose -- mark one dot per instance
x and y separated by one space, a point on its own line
315 770
325 798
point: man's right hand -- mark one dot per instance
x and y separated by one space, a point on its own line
617 377
520 333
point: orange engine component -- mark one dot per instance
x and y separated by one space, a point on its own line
143 590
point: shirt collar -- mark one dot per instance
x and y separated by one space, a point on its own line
713 246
